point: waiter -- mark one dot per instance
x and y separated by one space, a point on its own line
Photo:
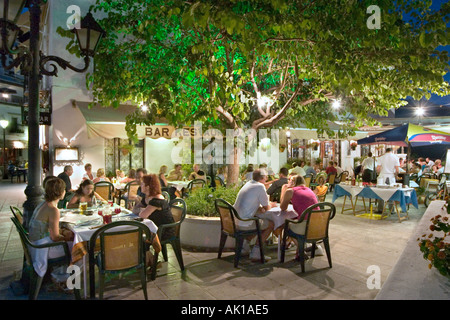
388 166
368 168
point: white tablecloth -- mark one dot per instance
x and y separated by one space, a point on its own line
277 216
179 185
410 279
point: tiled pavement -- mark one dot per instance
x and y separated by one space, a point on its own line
356 244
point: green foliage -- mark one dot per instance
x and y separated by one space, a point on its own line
201 201
210 60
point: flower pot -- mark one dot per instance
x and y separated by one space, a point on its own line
203 234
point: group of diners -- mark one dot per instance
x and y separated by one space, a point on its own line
253 200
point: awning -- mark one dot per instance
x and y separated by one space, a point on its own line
108 122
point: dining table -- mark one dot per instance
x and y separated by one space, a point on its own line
178 184
83 227
386 193
278 217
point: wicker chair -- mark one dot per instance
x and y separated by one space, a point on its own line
314 230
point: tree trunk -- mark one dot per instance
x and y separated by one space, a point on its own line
233 167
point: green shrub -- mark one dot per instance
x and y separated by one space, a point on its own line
201 201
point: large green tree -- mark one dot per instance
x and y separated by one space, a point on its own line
267 63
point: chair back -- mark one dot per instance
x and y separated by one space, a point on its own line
196 184
105 189
132 188
17 214
308 179
343 176
178 209
331 178
166 195
123 248
23 234
318 220
219 181
227 213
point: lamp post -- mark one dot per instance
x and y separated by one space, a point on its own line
4 124
32 64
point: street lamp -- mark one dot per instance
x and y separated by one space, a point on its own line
4 124
34 64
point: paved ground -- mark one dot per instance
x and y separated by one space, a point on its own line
356 244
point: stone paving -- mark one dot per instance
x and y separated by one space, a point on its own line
356 243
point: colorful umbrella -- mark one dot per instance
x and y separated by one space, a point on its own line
415 135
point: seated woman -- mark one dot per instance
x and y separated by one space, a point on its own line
131 176
154 206
85 193
88 174
301 197
45 219
321 189
162 176
101 176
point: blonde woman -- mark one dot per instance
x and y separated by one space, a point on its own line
101 176
162 176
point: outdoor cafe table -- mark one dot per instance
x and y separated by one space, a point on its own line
403 196
278 217
84 226
178 184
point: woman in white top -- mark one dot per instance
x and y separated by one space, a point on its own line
101 176
88 174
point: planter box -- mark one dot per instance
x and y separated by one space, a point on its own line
203 234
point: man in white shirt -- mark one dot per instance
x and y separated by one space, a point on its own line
388 166
297 170
253 199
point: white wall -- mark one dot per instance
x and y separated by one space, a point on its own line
69 122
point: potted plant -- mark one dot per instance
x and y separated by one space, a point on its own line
126 148
435 247
353 145
282 147
201 228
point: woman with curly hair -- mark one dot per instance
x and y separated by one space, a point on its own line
153 206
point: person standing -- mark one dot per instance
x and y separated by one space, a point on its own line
388 166
368 168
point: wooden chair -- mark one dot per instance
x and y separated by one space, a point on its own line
17 214
315 230
121 250
343 176
219 182
331 180
308 179
35 279
129 193
178 209
105 189
228 217
196 184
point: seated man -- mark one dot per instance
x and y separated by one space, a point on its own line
275 186
176 173
253 199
